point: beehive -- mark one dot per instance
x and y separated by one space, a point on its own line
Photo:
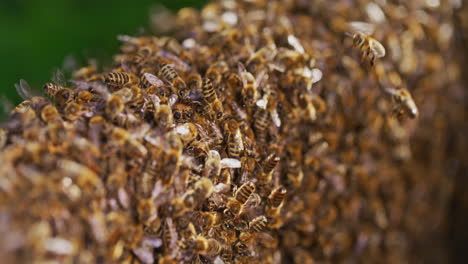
256 132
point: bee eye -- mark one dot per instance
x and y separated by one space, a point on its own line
177 115
219 115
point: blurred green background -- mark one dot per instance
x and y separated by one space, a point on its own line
37 35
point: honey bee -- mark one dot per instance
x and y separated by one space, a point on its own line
203 246
51 88
182 113
234 206
123 138
269 165
209 219
50 114
212 167
404 102
64 96
277 196
120 79
84 97
255 226
170 75
209 94
85 73
234 142
260 124
163 116
146 210
72 111
215 72
369 47
194 82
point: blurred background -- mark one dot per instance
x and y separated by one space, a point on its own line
39 35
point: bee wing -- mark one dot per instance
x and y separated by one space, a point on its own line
230 163
172 100
154 80
294 42
363 27
59 78
261 78
24 90
6 104
377 48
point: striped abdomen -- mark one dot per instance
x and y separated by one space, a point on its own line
244 192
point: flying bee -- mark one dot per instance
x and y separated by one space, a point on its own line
234 142
170 75
58 83
234 206
120 79
369 47
404 102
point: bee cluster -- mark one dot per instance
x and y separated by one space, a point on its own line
260 132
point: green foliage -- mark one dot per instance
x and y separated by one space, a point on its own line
37 35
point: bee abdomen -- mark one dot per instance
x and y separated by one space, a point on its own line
258 224
277 196
271 163
208 91
244 192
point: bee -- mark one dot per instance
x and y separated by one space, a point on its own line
215 72
64 96
270 163
234 206
84 97
188 132
404 102
203 246
234 142
51 88
261 123
123 139
85 73
170 75
209 94
163 116
182 113
146 210
209 219
72 111
255 226
50 114
120 79
215 136
369 47
249 88
276 197
212 167
194 82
